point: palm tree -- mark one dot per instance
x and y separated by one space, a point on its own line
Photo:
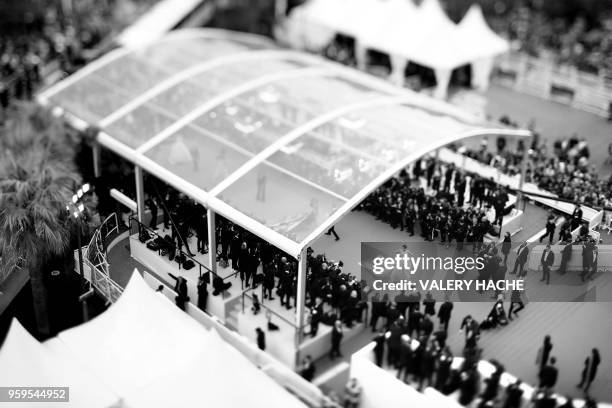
37 179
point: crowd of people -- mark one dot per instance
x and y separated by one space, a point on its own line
572 39
333 296
409 343
564 170
59 42
441 209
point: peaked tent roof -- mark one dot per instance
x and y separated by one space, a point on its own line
27 363
237 383
137 340
473 29
148 352
424 34
221 115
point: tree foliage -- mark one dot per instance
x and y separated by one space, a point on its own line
37 179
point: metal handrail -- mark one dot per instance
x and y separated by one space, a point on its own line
156 234
292 324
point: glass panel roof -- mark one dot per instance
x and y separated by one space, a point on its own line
113 85
281 202
144 122
284 139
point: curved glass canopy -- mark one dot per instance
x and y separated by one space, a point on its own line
281 142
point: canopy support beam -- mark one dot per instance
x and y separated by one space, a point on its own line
212 240
95 148
224 97
300 302
187 75
383 177
302 130
139 193
521 198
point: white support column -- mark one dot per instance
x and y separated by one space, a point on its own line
520 199
139 193
96 159
398 67
212 240
300 302
361 56
442 79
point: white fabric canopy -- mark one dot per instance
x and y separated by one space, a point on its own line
24 362
424 34
138 339
224 378
473 29
145 352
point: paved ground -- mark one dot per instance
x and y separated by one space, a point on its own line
575 327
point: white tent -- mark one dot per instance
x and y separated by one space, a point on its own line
424 35
138 339
24 362
145 352
224 377
473 29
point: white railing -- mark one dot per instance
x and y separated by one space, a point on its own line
96 268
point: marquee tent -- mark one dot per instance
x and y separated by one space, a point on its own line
145 352
220 115
424 35
25 362
280 142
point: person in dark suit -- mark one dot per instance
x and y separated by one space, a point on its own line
547 260
550 229
514 395
379 348
182 296
472 331
268 280
201 230
378 310
576 217
336 339
203 291
521 260
244 264
506 246
516 304
566 256
590 370
307 371
261 338
445 361
549 374
594 262
149 202
331 231
394 342
587 259
316 312
444 314
544 353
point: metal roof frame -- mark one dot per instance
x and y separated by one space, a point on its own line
210 199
